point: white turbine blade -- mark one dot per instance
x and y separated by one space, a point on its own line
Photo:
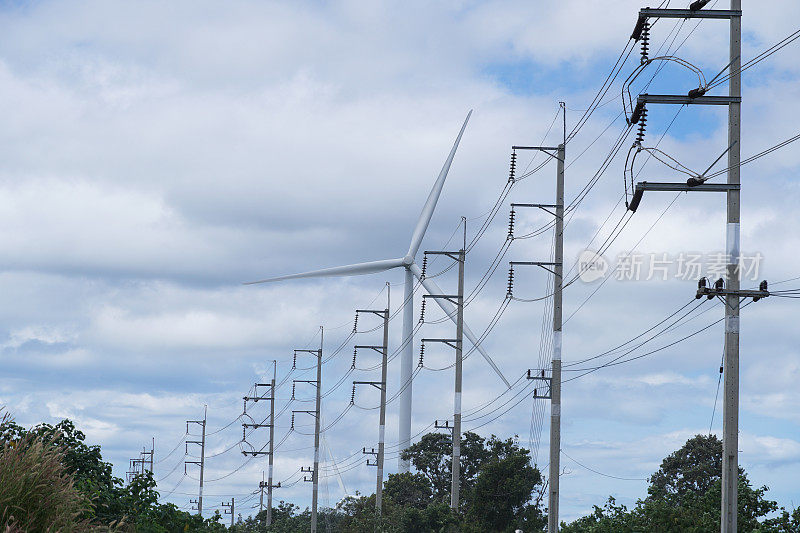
348 270
451 312
433 197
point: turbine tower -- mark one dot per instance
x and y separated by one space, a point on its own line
412 270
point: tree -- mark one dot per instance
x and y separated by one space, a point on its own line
432 457
685 496
503 489
407 489
689 470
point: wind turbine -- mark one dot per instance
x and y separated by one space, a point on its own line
412 270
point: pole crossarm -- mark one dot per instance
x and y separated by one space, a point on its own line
647 12
455 256
542 264
453 343
305 350
378 349
371 451
257 425
686 100
256 453
446 425
377 384
643 186
543 207
378 312
256 398
452 298
307 411
548 381
711 291
546 149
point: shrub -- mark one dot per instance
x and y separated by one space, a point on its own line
36 493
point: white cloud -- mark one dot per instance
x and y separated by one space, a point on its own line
155 156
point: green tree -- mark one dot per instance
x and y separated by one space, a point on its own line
504 488
407 489
685 496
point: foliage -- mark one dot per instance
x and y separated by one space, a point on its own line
50 462
51 480
37 492
503 489
685 496
408 490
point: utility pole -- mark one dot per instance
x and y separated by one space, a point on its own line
270 453
730 414
457 344
202 461
556 268
732 294
381 385
231 508
317 416
271 444
555 400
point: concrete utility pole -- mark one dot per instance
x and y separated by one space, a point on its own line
456 481
381 385
457 344
731 292
317 413
271 443
202 461
555 384
556 268
270 452
730 440
231 508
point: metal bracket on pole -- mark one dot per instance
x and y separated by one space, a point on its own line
545 149
446 425
453 343
548 381
644 99
378 349
711 292
643 186
647 12
543 207
377 384
542 264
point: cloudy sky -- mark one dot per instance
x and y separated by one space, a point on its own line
155 156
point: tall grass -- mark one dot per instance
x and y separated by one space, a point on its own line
36 493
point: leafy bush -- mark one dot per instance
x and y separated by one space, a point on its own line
36 491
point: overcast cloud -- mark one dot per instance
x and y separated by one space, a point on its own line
154 156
